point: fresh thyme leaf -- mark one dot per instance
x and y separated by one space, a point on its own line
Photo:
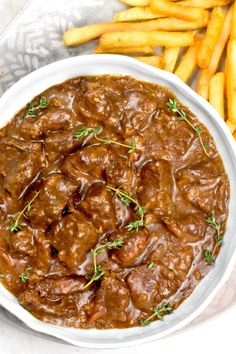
99 273
218 239
34 107
25 275
3 276
158 312
15 226
113 245
135 225
133 145
144 323
150 265
209 257
214 224
43 102
97 268
127 200
84 132
107 141
217 226
140 210
172 105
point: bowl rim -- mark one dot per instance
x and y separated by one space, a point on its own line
119 60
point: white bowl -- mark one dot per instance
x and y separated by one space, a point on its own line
33 84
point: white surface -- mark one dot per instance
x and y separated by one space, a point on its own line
24 91
215 336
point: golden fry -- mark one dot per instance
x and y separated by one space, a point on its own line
170 58
216 92
205 4
175 10
206 74
211 38
188 62
128 39
231 80
156 60
135 14
231 126
79 35
143 50
136 2
233 31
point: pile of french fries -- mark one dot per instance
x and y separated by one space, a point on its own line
193 38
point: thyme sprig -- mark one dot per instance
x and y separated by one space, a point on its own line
34 107
210 256
84 132
24 277
15 226
3 276
172 105
97 268
158 312
127 200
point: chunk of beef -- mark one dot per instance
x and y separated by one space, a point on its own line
99 206
62 142
149 287
155 193
190 228
66 306
53 120
73 236
98 103
43 257
87 163
60 285
138 111
53 197
120 173
134 244
22 167
23 243
111 302
173 253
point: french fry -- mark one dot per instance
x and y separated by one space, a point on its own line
136 2
233 32
79 35
166 39
175 10
216 92
205 4
211 38
144 50
172 24
170 58
188 62
231 80
206 74
136 13
156 60
231 126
